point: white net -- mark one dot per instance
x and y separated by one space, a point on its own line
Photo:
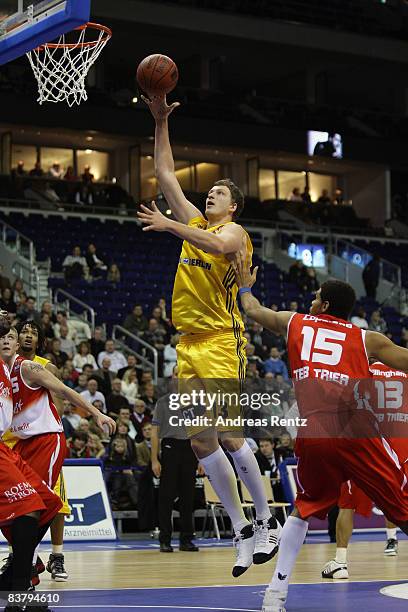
61 68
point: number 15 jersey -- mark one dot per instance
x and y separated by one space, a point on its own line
327 358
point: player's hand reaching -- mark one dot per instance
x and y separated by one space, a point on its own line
158 106
243 275
152 218
105 423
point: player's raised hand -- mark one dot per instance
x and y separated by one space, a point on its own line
158 106
152 218
243 275
105 423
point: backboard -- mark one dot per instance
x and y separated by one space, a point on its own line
26 24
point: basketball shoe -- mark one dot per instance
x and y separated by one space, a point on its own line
267 538
274 601
335 570
391 548
55 567
244 542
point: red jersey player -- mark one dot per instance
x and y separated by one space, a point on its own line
36 421
27 504
326 353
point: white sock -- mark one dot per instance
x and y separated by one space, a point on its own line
341 555
57 549
248 471
222 478
391 534
293 535
36 554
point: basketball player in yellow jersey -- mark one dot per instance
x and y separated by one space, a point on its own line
31 339
205 312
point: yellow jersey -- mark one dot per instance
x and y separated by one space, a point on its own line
205 292
7 437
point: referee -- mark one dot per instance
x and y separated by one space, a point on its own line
176 469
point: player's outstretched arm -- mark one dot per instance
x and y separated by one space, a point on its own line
59 404
382 348
245 278
228 240
181 208
35 375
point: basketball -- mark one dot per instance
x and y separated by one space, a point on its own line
157 74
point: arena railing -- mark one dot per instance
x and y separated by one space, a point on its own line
119 334
30 277
88 314
17 242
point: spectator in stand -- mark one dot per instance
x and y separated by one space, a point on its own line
324 198
95 446
267 457
67 345
84 426
297 273
37 171
46 308
310 283
47 326
275 364
6 302
148 395
70 174
105 376
338 199
113 275
293 306
170 356
82 383
87 190
77 446
377 323
75 266
91 394
95 264
58 356
130 385
84 357
19 171
121 482
56 172
116 400
136 322
66 377
253 358
70 420
360 319
371 276
306 196
29 313
117 359
124 417
17 289
97 342
88 371
295 196
139 417
156 336
159 313
285 448
143 449
122 431
132 364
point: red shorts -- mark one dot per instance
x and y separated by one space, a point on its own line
45 453
353 498
324 464
22 491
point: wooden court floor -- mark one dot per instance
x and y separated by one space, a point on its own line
116 569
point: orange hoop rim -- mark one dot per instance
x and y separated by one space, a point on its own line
91 43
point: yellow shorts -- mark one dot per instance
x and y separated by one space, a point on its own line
213 363
59 488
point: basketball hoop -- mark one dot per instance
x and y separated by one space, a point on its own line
62 67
